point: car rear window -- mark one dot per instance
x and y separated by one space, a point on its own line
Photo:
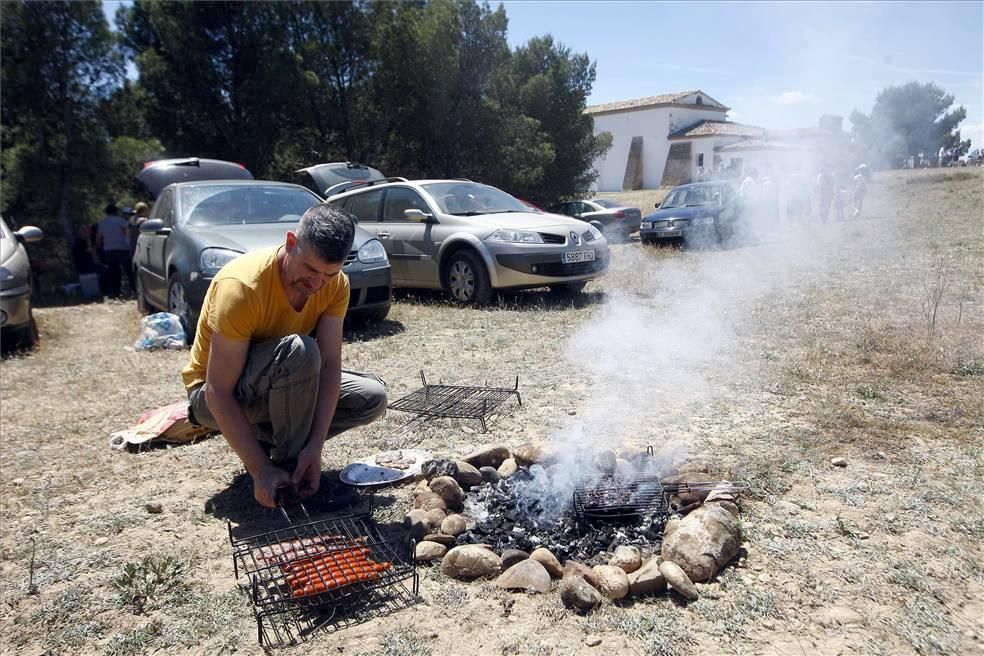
232 204
605 203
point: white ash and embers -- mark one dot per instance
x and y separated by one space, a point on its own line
510 514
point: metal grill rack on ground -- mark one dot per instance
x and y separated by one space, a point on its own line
456 401
265 561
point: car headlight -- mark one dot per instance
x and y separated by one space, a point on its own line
371 252
595 232
213 259
704 220
6 274
516 236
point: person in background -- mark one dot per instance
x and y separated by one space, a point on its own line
942 156
114 248
858 190
825 194
137 216
748 183
84 251
840 196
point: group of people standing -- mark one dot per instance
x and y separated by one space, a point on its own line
107 247
792 198
948 156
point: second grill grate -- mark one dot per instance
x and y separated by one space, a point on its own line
456 401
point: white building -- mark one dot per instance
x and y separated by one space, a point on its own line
662 140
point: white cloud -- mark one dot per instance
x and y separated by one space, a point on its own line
973 132
793 97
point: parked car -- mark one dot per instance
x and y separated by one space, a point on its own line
616 219
195 228
702 213
17 328
327 179
470 239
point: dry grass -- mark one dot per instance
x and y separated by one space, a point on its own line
829 356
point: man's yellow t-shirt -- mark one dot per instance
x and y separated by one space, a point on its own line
246 301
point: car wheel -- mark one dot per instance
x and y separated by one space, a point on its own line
177 303
30 337
568 288
467 279
15 340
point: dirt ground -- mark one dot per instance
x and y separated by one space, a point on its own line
821 349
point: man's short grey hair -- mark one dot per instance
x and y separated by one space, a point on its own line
329 230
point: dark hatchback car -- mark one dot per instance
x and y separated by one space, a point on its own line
702 213
196 227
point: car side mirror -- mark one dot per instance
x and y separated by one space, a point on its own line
657 205
419 215
154 227
29 234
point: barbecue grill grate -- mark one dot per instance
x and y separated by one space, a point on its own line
280 615
604 497
456 401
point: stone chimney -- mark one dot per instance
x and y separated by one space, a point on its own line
831 123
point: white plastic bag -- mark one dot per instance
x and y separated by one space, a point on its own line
161 330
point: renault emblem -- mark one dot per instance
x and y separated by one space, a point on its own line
575 239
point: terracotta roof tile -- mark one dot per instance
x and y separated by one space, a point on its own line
637 103
708 128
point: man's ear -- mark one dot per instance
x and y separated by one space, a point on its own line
291 240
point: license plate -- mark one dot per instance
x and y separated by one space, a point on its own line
670 233
573 257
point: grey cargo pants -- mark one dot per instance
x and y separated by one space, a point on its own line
278 390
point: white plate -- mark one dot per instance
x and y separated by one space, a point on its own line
573 257
366 473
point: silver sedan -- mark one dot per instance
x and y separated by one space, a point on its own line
616 220
471 239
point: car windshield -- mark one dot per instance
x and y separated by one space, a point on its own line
471 199
231 204
692 196
607 204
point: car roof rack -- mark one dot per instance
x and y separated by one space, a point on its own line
347 186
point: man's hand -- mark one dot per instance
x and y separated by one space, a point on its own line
266 482
307 475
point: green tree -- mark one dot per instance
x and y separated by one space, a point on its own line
552 86
60 62
219 76
330 45
907 120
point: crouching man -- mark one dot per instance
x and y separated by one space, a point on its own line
255 373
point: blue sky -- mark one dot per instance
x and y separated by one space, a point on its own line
777 65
